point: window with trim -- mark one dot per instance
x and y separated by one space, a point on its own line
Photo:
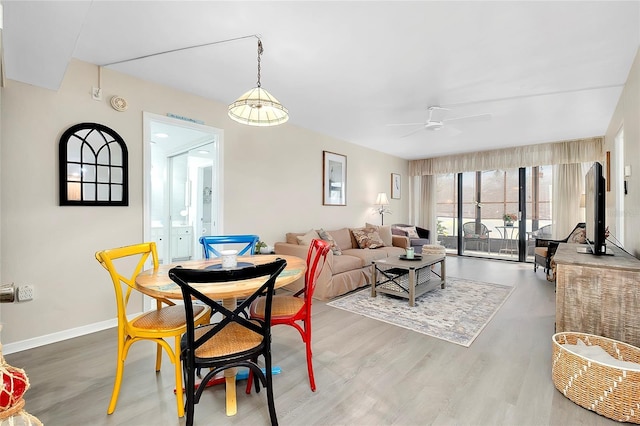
93 167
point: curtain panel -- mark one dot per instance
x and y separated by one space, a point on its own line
566 152
427 216
566 157
567 188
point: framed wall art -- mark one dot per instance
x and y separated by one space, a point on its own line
334 179
396 186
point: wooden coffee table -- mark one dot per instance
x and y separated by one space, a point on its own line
407 278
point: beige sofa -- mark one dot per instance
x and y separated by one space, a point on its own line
349 270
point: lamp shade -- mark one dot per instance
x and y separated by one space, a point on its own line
258 108
382 199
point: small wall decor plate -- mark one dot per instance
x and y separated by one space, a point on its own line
119 103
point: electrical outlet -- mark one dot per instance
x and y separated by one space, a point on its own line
96 93
25 292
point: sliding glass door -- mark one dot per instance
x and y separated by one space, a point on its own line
492 213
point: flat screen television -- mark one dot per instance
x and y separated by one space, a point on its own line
595 209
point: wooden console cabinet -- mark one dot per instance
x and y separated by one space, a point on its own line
598 294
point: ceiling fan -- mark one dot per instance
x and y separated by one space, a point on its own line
433 124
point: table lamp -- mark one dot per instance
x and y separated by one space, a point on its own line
382 202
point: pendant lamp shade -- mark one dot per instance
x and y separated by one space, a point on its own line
258 107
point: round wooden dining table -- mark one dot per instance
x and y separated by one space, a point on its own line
156 283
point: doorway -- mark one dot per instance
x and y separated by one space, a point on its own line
182 185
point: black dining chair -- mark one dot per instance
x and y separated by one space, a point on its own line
235 341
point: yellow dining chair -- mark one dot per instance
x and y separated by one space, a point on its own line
155 325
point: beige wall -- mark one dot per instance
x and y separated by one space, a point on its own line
272 184
627 116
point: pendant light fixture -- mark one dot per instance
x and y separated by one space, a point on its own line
257 107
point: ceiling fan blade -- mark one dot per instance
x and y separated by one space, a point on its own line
405 124
477 117
412 132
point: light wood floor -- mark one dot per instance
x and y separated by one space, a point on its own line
367 372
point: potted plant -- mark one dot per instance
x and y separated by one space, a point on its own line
441 231
509 218
259 246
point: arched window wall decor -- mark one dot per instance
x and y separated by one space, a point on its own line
93 167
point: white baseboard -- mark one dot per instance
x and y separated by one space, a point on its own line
47 339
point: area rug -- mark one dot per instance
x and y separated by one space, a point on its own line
457 313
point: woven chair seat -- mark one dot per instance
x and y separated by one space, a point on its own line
232 339
167 318
283 306
541 251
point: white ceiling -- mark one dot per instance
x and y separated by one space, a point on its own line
545 71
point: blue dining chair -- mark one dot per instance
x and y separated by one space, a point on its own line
209 241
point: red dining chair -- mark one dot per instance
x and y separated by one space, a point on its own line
290 310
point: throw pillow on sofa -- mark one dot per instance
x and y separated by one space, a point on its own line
328 238
367 238
305 240
410 230
385 233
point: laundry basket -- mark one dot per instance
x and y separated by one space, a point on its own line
610 391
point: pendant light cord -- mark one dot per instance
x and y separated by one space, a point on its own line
260 50
194 47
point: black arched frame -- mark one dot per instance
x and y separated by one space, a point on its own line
93 167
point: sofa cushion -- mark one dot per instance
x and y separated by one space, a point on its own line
345 263
366 256
292 237
328 238
305 239
384 231
342 238
367 238
418 243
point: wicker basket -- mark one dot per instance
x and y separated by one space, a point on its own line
610 391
